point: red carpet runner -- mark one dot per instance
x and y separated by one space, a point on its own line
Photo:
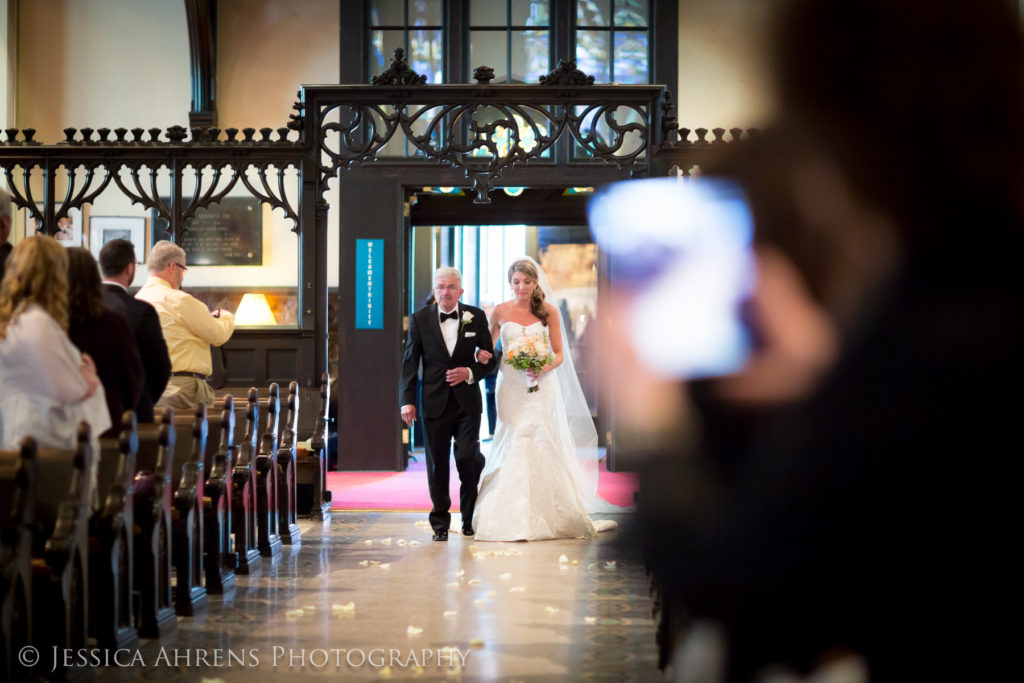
408 490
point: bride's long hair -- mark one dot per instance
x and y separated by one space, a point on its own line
537 300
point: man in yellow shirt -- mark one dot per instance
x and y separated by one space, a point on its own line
188 327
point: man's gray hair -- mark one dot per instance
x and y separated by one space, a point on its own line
163 254
448 271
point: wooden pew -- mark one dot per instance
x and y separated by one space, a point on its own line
313 499
268 539
153 492
111 533
287 514
187 521
219 559
60 568
17 517
243 493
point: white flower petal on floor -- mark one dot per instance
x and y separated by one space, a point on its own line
453 584
450 613
562 559
413 631
506 576
474 582
551 610
347 608
517 589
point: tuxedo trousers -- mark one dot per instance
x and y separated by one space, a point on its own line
453 424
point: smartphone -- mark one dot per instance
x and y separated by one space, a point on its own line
680 252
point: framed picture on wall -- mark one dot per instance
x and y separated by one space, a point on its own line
69 230
102 229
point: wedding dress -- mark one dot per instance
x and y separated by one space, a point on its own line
533 486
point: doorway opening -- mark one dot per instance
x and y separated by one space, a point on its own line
482 245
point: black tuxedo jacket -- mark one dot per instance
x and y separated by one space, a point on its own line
426 343
145 325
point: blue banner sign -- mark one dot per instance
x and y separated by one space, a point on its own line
369 288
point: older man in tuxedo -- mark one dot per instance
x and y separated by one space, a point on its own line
117 263
445 336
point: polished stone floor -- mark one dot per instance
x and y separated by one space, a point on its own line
369 596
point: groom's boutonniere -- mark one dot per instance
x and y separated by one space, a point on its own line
467 318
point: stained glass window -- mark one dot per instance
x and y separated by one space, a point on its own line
612 40
512 37
415 26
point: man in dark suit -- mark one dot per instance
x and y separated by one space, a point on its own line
445 337
117 263
5 231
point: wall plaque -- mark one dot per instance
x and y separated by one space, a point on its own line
226 234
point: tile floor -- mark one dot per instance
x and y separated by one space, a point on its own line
369 596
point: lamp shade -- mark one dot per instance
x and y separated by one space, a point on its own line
254 310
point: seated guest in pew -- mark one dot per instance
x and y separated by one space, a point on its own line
117 263
5 230
49 386
105 336
189 328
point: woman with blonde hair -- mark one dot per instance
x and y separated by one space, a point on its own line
48 385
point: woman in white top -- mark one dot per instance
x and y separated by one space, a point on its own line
46 385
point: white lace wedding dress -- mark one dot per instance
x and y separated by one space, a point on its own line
530 486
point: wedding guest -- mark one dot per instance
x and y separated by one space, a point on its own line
105 336
49 386
117 263
188 326
882 472
5 231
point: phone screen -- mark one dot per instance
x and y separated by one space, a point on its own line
680 250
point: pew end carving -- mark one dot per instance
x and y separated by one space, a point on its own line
243 494
111 528
288 526
187 522
220 559
153 516
60 566
268 539
18 479
313 498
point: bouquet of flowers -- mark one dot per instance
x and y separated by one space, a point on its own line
530 352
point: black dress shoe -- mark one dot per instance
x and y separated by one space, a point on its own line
441 535
467 530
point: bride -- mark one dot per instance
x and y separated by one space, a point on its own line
540 479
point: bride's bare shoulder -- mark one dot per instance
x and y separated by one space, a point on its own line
502 309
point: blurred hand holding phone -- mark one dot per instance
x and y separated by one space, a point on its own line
681 267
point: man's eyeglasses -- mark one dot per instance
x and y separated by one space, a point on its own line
183 268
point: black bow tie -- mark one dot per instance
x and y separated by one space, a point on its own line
454 315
